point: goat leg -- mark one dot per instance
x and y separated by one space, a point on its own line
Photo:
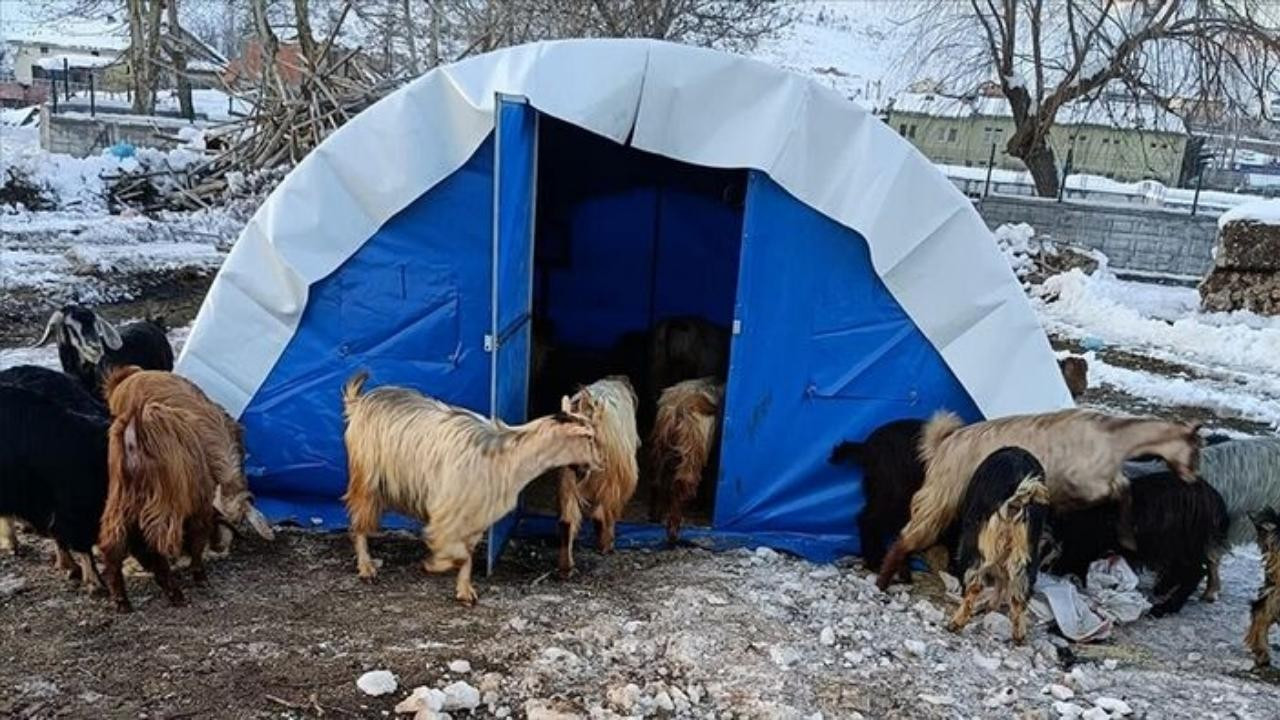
1213 588
895 561
158 566
967 605
570 520
112 566
568 531
466 593
92 581
1018 592
62 560
8 536
197 540
1262 613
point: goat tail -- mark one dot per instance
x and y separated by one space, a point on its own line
352 390
847 453
941 426
1031 491
117 376
118 509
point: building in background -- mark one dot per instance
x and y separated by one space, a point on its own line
1117 139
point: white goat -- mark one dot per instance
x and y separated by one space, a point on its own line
447 467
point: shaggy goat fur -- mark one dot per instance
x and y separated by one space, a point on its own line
446 466
53 474
1247 474
1179 531
684 433
167 450
1075 371
1083 452
89 346
1004 513
686 348
891 473
610 407
231 496
1265 610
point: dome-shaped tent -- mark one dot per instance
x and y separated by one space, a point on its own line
604 185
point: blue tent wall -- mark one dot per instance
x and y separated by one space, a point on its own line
412 306
825 353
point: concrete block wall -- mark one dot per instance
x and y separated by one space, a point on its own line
81 135
1136 238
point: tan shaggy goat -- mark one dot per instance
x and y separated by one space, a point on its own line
684 431
169 451
609 405
446 466
1082 451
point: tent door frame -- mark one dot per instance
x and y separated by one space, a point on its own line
502 336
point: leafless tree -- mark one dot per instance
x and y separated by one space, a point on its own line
178 56
144 46
1202 55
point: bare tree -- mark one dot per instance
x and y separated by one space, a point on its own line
178 56
1046 55
144 44
306 38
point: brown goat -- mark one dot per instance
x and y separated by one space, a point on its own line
165 453
683 435
1265 610
1075 371
1083 452
610 407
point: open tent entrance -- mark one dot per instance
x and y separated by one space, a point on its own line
624 240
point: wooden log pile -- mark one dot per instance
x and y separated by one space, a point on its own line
1246 272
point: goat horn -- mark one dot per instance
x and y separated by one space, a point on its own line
55 321
259 523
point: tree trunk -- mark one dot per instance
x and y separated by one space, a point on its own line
178 57
306 39
412 41
151 49
138 65
268 84
1043 166
435 33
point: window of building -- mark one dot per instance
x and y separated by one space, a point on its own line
951 135
94 53
902 129
942 135
44 49
911 132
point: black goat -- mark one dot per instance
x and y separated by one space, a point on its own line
57 387
1003 517
891 473
89 346
685 348
1179 529
53 474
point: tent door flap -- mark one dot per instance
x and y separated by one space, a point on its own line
510 336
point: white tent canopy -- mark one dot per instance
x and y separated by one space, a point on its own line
702 107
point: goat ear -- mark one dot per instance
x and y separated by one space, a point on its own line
107 332
566 405
55 324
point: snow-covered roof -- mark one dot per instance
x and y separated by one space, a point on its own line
1265 212
58 62
67 32
689 104
1117 114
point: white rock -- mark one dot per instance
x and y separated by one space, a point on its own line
518 624
783 656
915 647
827 636
1113 705
680 699
1111 663
1095 713
715 600
937 699
662 700
1068 710
1001 697
431 715
542 710
461 696
377 682
422 698
559 655
989 664
1061 692
997 626
460 667
624 698
502 712
766 554
491 682
1194 657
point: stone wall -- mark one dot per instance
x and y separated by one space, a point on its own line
1151 240
81 135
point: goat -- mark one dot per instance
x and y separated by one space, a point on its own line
1179 531
1075 371
686 348
1265 610
683 444
446 466
609 405
174 467
61 390
53 474
1247 473
89 346
1083 452
891 473
1003 518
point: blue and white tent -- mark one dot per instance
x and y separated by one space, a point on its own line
861 286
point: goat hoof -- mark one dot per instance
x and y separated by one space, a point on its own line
74 575
96 591
566 573
124 607
176 599
467 597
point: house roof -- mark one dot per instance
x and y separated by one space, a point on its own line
1122 114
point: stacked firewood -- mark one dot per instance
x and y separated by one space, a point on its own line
1246 272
